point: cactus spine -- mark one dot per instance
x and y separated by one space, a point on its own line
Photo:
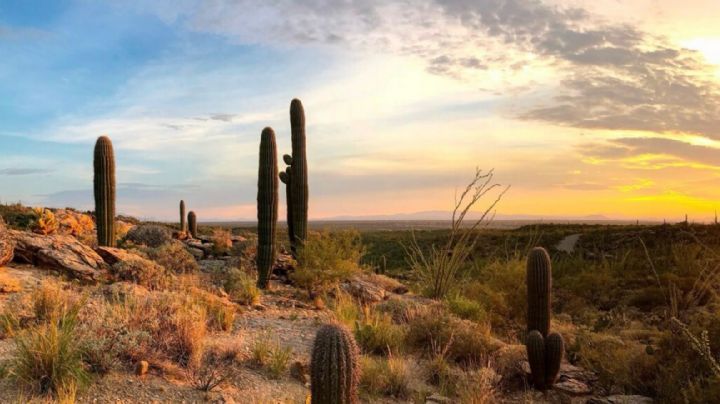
104 190
192 223
267 206
545 351
183 224
297 181
334 371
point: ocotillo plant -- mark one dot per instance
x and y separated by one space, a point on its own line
104 189
285 177
267 206
183 225
298 185
334 371
192 223
545 351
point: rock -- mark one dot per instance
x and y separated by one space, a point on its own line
212 266
59 252
436 398
299 371
113 255
572 387
196 252
141 368
363 290
7 245
621 399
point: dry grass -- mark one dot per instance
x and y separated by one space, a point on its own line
269 354
376 333
241 287
174 257
8 284
385 376
222 243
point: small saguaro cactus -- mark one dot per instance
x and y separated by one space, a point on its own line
192 223
545 351
297 185
267 206
183 224
334 370
104 190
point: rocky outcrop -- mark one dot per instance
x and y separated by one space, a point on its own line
7 245
59 252
113 255
364 290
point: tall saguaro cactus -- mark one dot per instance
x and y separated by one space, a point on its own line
183 224
104 190
192 223
544 349
297 180
267 206
334 370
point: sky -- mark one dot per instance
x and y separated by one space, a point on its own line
583 107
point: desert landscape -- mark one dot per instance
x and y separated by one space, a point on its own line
360 201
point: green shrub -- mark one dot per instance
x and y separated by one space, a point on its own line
149 235
326 259
466 308
241 287
174 257
143 272
376 333
385 376
48 358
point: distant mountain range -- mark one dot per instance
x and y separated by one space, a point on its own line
444 215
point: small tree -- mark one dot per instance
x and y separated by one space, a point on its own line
439 268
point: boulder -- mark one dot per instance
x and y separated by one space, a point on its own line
7 245
621 399
112 255
364 290
60 252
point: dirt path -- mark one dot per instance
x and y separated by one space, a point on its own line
568 243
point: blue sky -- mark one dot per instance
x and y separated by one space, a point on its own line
403 100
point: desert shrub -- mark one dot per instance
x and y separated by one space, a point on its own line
376 333
44 222
619 364
399 309
345 308
48 358
439 267
141 271
173 257
429 328
220 313
76 224
279 360
214 368
268 353
476 387
50 301
385 376
241 287
17 216
149 235
326 259
466 308
222 243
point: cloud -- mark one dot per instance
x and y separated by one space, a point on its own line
612 75
666 151
24 171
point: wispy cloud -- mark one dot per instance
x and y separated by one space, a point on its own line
24 171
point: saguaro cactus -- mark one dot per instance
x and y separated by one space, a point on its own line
104 189
297 184
183 225
267 206
192 223
334 371
545 351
